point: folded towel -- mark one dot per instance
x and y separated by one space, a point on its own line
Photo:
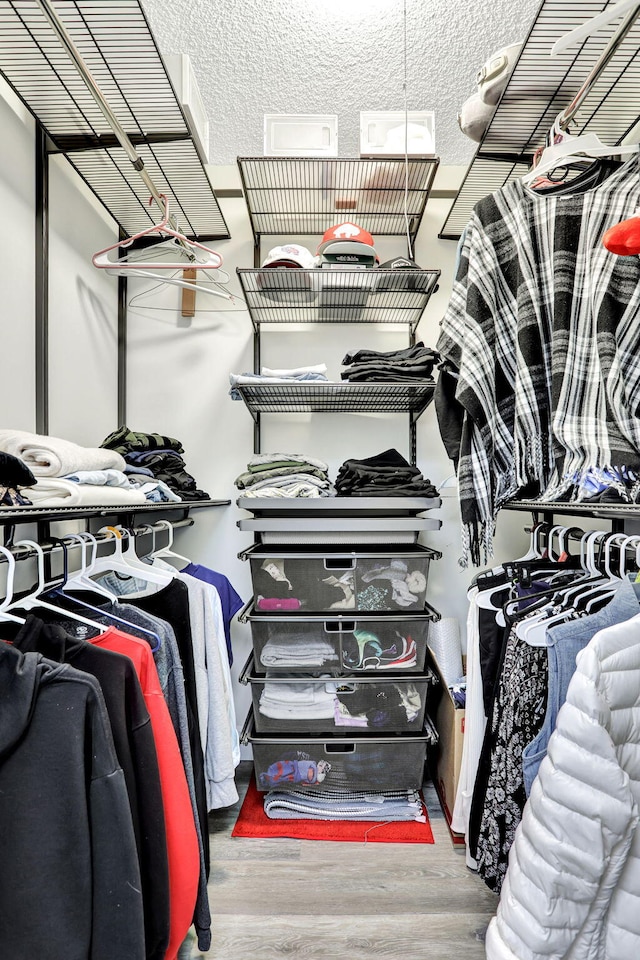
283 653
53 457
291 701
323 804
58 492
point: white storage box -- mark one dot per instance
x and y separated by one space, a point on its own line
300 135
382 133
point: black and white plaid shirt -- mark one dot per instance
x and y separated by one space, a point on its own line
543 326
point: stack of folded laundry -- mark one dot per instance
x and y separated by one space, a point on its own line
284 475
396 366
316 373
14 477
386 475
155 463
69 475
297 701
294 651
323 803
346 704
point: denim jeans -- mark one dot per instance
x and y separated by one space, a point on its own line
565 642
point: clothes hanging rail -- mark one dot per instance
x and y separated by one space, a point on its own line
594 87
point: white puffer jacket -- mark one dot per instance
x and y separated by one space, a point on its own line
572 889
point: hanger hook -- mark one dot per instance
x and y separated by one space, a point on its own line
11 568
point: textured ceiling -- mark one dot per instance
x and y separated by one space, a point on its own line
253 57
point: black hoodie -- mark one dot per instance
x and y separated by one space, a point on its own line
69 875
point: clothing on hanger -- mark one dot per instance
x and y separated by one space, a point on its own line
171 677
574 877
136 754
85 885
532 398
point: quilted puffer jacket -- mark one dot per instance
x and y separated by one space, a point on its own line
572 889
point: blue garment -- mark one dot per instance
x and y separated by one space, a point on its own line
565 641
231 602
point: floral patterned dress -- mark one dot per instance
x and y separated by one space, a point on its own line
518 714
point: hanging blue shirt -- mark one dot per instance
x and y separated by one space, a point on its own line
229 599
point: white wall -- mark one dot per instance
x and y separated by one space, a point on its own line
82 302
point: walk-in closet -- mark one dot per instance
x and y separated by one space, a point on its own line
320 480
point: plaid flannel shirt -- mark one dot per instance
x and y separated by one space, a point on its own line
543 327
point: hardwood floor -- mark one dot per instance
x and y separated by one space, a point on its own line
274 899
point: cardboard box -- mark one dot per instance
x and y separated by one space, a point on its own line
447 758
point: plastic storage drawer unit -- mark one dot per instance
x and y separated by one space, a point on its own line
362 704
395 643
386 762
296 579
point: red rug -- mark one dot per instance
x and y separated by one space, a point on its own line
253 822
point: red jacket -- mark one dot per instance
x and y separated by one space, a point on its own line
182 841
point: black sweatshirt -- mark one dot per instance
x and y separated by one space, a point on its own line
69 875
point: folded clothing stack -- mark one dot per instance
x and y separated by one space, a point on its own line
152 456
387 474
53 462
284 475
346 703
395 366
326 804
14 476
291 651
317 373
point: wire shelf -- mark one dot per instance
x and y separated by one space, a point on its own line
304 196
115 41
314 397
337 296
540 87
610 511
33 514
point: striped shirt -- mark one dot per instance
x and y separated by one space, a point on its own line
544 330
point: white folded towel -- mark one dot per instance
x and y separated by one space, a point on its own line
53 457
57 492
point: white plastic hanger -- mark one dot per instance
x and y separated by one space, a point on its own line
193 256
573 149
11 569
34 599
130 556
117 563
591 26
81 580
167 550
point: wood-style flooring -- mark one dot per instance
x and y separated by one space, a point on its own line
275 899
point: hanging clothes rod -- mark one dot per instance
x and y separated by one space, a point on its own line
600 66
138 163
24 553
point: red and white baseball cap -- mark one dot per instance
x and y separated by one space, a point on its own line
347 238
290 255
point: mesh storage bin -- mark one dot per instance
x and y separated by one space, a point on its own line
378 763
370 579
362 704
395 643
